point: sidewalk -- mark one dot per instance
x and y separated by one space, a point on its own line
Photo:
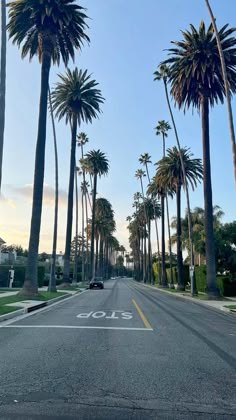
216 304
31 305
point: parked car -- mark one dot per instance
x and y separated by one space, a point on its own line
96 282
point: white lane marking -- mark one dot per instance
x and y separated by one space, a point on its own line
45 309
82 327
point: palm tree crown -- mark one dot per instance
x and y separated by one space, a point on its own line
145 158
56 26
170 170
82 139
195 68
77 94
96 162
162 128
140 173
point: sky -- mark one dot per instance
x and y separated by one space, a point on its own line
128 40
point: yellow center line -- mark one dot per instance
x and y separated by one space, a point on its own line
142 316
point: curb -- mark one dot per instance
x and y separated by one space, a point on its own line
40 305
189 299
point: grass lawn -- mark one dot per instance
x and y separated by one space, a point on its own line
7 289
200 296
231 306
42 296
6 309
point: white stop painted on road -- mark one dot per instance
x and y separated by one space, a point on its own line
99 314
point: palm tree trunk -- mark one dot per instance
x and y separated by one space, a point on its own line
75 273
190 225
180 284
30 286
83 253
101 257
66 271
52 282
87 241
96 256
170 245
227 91
211 289
163 250
2 81
149 253
157 234
145 266
92 265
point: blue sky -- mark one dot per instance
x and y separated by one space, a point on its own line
128 41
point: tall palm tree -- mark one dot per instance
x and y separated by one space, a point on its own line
157 188
226 86
77 99
144 159
169 172
52 280
85 266
162 129
152 211
196 80
98 165
140 174
2 81
77 173
51 30
163 73
82 139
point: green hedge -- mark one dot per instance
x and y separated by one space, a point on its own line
19 275
226 285
175 275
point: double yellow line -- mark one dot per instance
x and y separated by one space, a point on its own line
142 316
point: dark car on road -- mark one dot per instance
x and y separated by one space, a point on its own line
96 282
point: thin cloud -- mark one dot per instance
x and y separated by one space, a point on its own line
48 194
8 202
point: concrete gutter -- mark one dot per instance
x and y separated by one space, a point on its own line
34 307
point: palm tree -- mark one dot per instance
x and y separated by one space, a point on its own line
140 174
98 165
82 139
75 98
144 159
163 73
77 173
226 86
152 211
104 226
157 188
162 129
169 172
2 81
51 30
52 281
196 80
84 190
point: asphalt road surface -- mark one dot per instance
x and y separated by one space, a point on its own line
125 352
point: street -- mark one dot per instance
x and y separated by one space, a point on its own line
125 352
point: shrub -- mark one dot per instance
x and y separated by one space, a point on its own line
19 275
200 275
